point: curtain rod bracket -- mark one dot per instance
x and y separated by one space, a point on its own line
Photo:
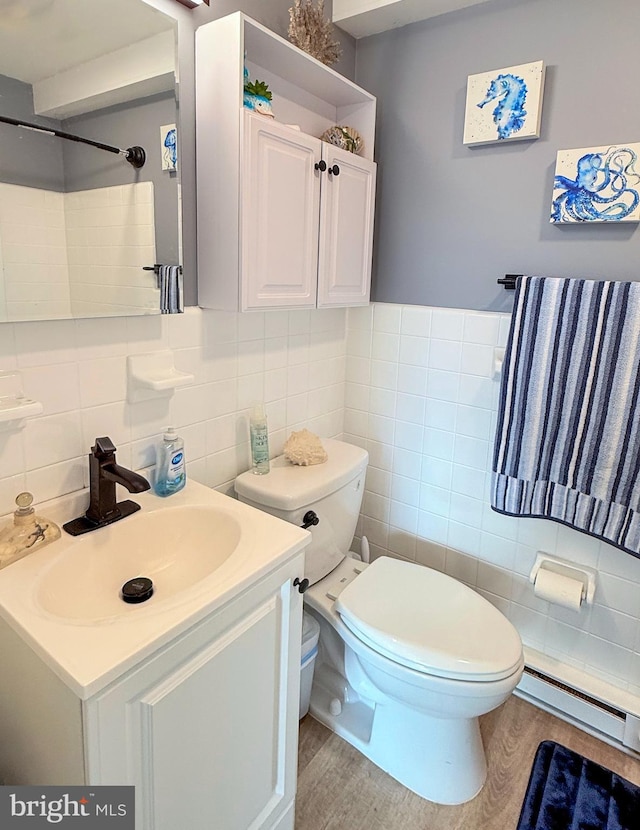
136 156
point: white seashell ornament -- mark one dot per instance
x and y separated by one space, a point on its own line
344 137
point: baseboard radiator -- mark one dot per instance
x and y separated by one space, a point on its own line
615 726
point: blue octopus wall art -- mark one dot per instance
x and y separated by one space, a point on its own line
510 92
605 187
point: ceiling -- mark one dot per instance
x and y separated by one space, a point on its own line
361 18
40 38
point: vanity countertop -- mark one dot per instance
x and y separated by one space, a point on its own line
89 643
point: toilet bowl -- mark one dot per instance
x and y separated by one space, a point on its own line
409 658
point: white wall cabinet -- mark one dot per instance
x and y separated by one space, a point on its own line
346 228
206 728
284 219
307 220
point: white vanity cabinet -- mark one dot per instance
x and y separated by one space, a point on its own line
285 220
207 728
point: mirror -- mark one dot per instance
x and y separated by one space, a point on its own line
79 224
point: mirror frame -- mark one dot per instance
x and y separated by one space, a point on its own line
186 101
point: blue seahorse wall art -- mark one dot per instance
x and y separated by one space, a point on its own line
504 104
605 186
510 92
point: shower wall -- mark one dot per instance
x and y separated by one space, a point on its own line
76 253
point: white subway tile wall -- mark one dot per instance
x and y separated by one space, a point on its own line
413 385
294 361
33 253
110 238
80 253
426 497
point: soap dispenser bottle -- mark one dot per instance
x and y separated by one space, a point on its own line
171 472
26 533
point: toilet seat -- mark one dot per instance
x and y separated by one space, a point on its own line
429 622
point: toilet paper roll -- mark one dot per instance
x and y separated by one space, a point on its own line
559 589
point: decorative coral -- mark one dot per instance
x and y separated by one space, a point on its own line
309 31
304 448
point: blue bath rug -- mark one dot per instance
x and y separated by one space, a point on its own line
569 792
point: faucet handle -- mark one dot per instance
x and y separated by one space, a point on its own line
103 447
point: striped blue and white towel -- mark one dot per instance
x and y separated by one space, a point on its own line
568 434
169 282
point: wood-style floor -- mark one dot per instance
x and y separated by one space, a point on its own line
339 789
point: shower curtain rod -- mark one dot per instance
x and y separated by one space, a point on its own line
136 156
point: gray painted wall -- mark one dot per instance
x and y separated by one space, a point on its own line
26 157
452 219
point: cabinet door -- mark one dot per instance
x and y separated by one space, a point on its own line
208 730
280 209
346 229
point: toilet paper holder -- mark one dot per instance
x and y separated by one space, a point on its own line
569 569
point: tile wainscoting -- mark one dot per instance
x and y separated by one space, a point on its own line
421 396
414 385
294 361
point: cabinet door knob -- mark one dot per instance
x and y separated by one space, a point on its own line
302 584
335 170
321 165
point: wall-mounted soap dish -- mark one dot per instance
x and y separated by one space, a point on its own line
153 375
15 408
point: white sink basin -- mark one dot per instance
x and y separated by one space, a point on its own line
200 548
176 548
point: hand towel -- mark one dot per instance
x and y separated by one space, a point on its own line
171 289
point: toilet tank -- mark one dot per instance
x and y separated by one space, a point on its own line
333 490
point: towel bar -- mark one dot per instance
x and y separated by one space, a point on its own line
156 268
509 281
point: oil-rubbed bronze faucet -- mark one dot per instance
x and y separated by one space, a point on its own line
104 474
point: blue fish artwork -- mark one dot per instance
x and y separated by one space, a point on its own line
510 91
605 186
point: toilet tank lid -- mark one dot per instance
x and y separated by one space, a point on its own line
288 486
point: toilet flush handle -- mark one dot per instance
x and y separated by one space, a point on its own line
310 518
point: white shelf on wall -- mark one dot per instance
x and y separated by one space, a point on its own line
15 408
312 85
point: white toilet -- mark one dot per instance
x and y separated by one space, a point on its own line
409 658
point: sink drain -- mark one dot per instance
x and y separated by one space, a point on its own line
136 590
